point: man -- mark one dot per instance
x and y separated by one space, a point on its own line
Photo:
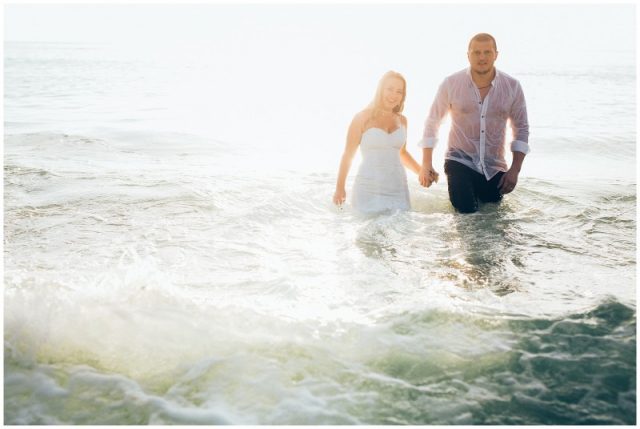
480 100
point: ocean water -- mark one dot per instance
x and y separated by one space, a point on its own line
170 259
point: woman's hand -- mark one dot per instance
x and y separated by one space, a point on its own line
339 197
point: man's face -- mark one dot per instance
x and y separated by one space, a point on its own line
481 56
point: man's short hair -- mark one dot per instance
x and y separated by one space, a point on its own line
483 37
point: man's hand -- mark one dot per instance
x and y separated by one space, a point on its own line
508 181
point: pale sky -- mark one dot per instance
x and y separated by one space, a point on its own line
332 37
206 22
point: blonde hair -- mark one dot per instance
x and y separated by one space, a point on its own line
376 104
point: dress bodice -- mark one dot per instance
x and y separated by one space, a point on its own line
381 183
378 139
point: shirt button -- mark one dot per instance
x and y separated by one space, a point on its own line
483 131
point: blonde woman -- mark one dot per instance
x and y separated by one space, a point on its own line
381 133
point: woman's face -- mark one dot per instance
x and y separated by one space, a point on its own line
392 93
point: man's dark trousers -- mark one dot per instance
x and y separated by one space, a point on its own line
467 188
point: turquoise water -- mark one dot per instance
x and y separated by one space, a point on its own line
157 273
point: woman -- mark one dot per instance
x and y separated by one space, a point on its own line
381 132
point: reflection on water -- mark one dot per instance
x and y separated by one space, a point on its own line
484 248
475 251
375 239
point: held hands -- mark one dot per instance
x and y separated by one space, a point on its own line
427 176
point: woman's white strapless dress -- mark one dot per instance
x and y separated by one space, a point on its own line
381 182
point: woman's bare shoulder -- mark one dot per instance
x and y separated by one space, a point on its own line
362 117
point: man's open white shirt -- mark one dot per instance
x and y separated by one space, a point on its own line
477 136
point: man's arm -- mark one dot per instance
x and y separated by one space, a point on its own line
439 109
520 143
509 180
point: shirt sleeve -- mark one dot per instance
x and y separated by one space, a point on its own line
519 123
438 110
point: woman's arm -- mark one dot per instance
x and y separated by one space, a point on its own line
353 140
408 161
405 157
